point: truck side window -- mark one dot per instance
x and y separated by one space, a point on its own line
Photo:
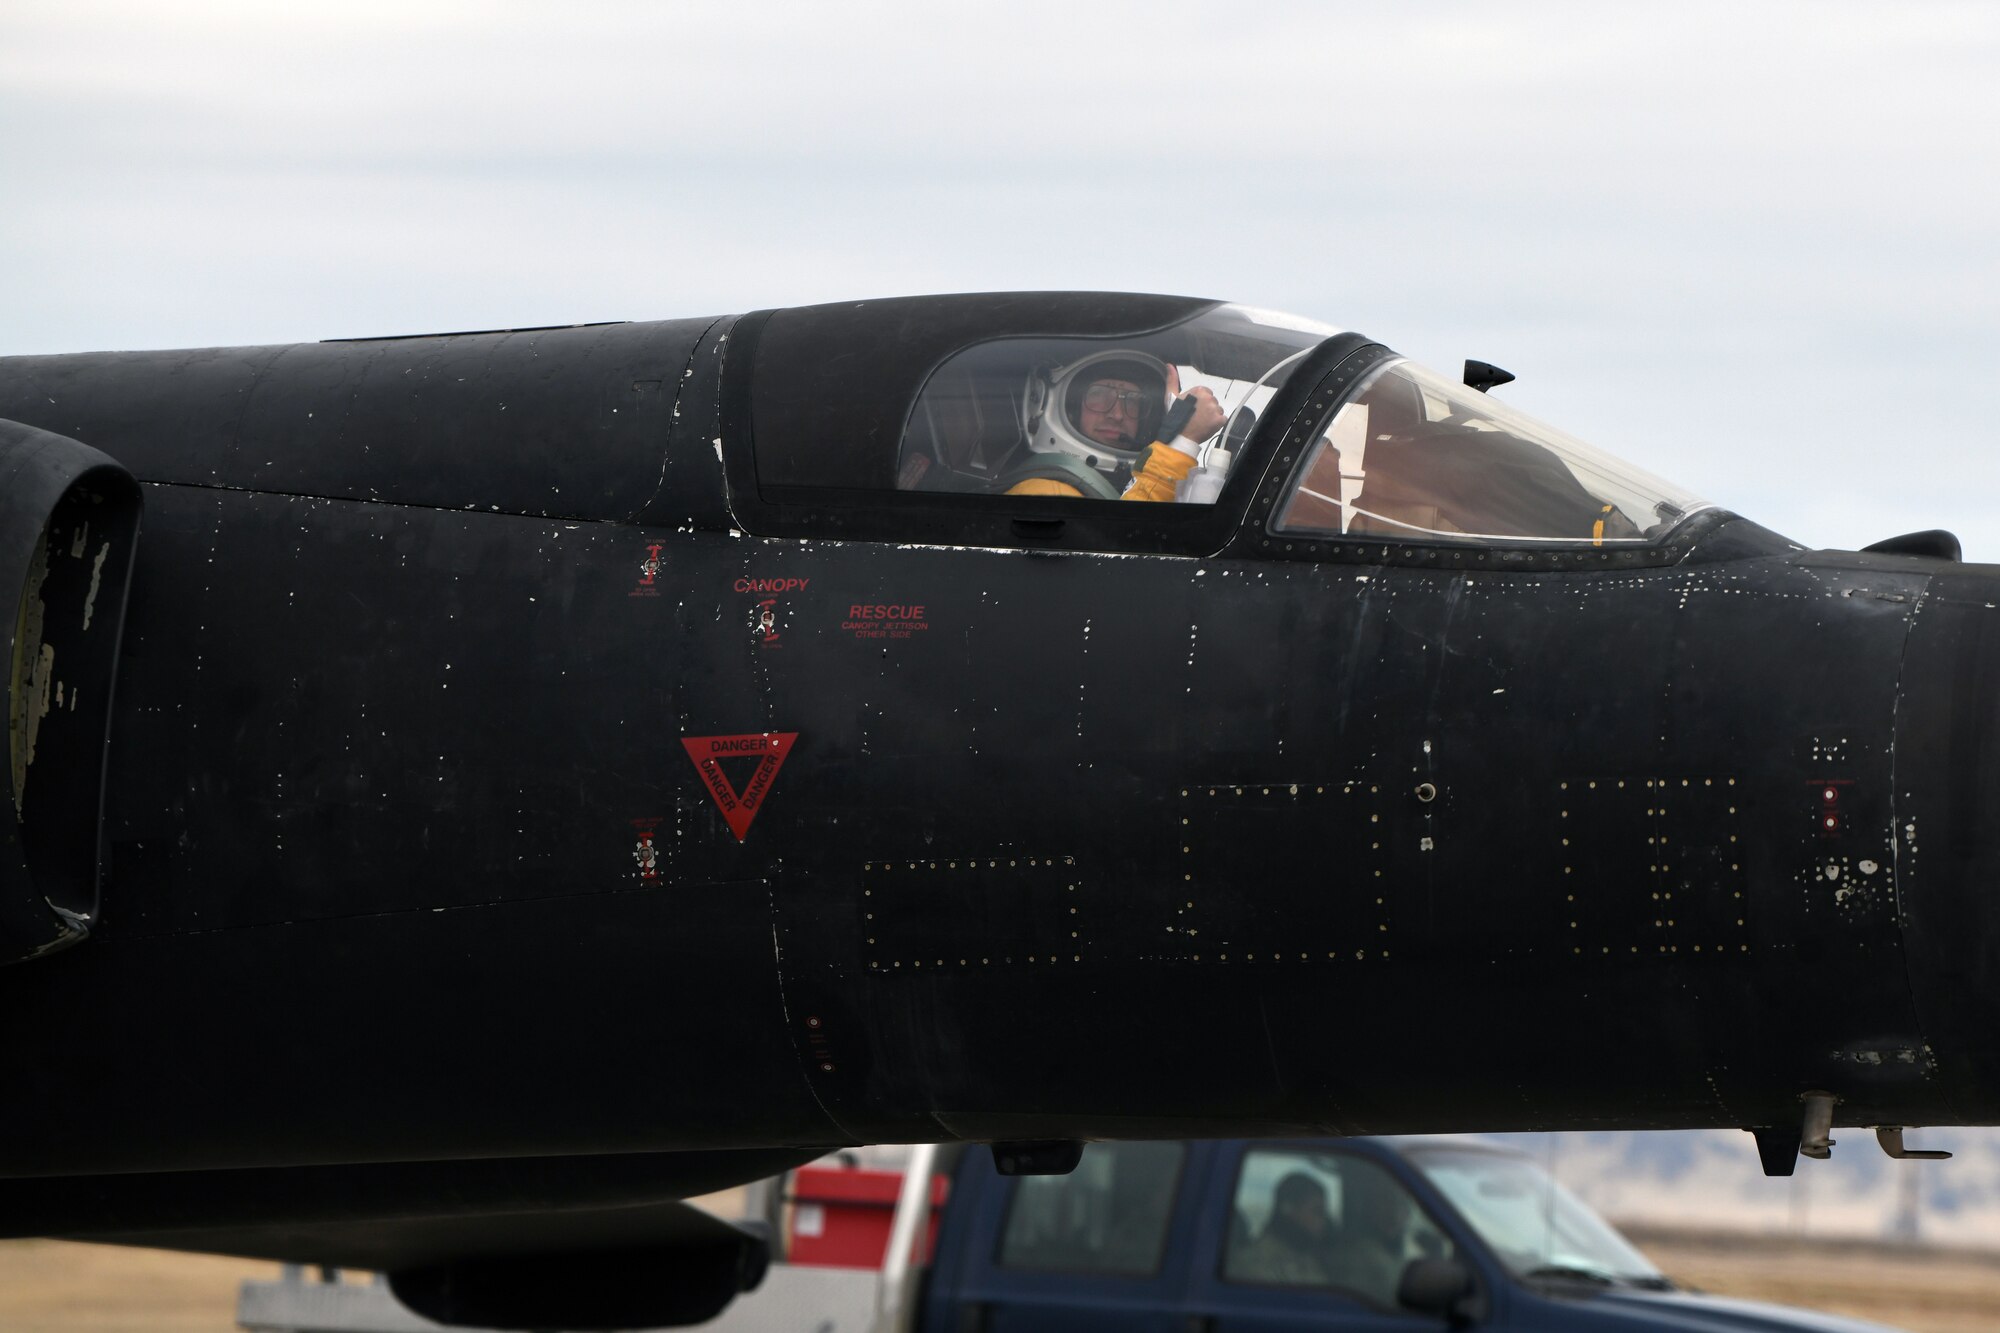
1329 1220
1108 1216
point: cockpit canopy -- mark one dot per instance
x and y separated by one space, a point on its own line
1412 455
1019 398
1005 411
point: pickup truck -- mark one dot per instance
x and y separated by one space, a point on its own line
1336 1235
1227 1236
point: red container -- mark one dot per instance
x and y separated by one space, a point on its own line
841 1216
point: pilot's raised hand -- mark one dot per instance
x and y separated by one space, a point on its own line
1168 462
1208 414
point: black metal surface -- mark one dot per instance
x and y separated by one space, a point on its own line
1040 1157
69 528
1933 542
383 1215
687 1280
638 809
557 423
1484 376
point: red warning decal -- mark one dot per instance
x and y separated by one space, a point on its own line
649 572
898 621
645 852
769 748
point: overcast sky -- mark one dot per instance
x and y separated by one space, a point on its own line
1751 248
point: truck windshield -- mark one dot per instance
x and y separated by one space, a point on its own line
1535 1226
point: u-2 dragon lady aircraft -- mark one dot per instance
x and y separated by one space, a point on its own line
508 782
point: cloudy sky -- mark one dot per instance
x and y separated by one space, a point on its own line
1754 249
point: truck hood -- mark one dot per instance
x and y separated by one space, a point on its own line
1694 1313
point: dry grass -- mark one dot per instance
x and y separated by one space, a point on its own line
52 1286
56 1287
1923 1290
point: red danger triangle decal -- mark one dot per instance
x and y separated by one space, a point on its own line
769 748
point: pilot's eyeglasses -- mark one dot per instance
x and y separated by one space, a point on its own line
1103 398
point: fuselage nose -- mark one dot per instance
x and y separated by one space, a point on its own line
1945 842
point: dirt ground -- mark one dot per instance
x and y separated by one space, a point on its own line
49 1286
54 1287
1921 1289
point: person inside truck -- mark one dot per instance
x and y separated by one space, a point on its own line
1372 1249
1294 1248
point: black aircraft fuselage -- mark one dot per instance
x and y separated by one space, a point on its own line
533 747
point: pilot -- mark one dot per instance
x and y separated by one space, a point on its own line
1105 428
1293 1248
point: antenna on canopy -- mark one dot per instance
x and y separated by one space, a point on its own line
1482 376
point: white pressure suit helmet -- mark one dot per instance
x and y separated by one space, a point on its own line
1053 408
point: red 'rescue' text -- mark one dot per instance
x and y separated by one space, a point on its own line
886 620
